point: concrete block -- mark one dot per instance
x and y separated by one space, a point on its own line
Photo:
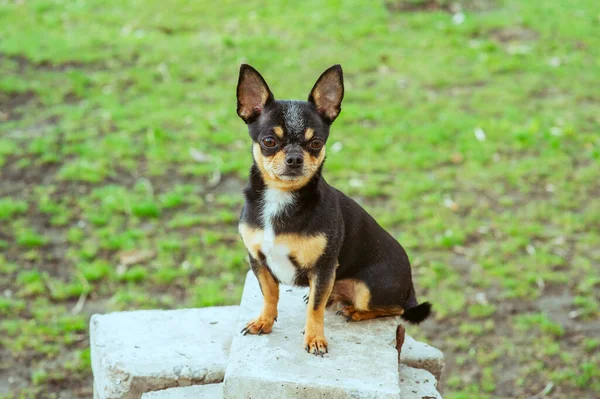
148 350
362 360
211 391
422 356
417 383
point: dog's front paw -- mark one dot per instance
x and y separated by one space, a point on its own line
260 325
315 344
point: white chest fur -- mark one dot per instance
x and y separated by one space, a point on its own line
277 249
276 252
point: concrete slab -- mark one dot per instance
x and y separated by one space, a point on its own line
148 350
419 355
362 360
417 383
211 391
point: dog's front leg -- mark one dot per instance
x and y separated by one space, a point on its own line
263 324
321 284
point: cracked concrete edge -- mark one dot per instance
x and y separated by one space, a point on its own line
417 383
211 391
420 355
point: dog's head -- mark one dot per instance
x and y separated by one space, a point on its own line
289 137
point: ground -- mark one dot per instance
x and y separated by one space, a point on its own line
470 130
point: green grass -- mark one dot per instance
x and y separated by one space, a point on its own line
477 144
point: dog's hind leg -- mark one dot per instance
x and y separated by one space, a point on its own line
355 297
357 315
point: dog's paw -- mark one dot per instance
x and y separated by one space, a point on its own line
260 325
349 312
315 344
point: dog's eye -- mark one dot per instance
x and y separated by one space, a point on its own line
316 144
269 142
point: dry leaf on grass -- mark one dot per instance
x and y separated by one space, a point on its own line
135 256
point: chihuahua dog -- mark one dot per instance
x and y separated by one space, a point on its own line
299 230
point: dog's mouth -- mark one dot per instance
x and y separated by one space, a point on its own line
291 175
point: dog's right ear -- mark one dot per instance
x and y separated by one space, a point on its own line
253 94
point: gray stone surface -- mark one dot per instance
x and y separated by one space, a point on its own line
148 350
422 356
417 383
211 391
362 360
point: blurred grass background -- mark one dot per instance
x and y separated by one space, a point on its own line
470 130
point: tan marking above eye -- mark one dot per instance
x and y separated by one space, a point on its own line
308 134
278 131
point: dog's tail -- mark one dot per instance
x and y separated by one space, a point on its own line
418 313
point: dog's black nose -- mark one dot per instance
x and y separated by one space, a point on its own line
294 160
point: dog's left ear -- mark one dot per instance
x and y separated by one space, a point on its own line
328 92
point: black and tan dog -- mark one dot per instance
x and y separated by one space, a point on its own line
301 231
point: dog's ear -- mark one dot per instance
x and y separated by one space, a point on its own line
328 92
253 94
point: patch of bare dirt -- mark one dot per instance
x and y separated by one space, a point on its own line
440 5
463 89
415 6
25 63
9 380
510 34
24 177
11 102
